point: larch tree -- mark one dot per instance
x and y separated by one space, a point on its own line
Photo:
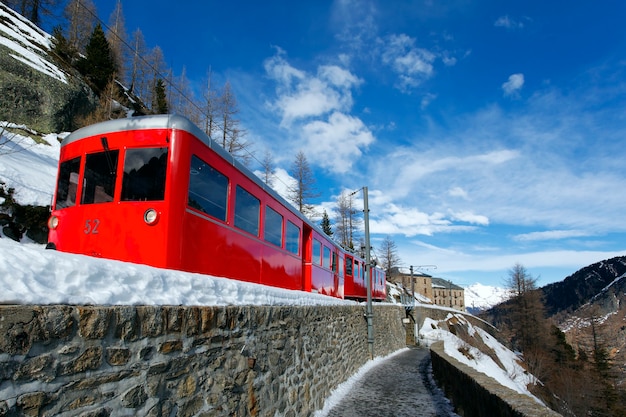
303 190
347 219
117 37
210 106
388 254
269 169
81 16
155 65
527 315
232 136
33 10
138 70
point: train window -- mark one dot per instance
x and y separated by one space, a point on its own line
349 266
334 264
316 259
341 267
326 258
100 174
144 174
247 209
273 226
293 238
68 183
208 189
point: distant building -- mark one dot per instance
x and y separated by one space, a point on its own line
438 290
447 294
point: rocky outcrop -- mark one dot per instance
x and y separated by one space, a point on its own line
34 90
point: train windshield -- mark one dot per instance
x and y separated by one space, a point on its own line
99 179
144 174
68 183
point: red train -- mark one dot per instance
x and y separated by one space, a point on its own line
156 190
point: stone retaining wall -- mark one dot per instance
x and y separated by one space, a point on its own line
474 394
183 361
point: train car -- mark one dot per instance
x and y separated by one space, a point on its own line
156 190
355 284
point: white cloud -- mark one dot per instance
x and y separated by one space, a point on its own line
514 84
508 23
335 142
550 235
314 112
301 95
412 64
458 192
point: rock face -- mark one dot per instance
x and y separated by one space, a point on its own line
33 89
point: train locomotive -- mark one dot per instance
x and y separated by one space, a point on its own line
156 190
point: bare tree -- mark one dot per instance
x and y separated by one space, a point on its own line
347 219
527 314
117 37
33 10
81 16
210 106
304 188
388 254
269 169
155 65
232 135
138 68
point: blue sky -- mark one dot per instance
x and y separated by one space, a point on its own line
487 132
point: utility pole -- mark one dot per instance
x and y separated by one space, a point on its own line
369 314
368 267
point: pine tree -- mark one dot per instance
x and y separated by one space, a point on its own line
98 66
160 105
325 224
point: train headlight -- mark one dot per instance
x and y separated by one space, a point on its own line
151 217
53 222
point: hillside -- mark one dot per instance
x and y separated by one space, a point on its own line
34 89
592 283
589 307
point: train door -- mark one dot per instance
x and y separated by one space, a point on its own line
307 250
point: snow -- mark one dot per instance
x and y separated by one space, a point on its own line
27 166
30 274
481 297
513 375
27 41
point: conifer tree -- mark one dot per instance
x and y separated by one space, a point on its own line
98 66
325 224
160 100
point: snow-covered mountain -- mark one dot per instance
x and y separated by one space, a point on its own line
479 297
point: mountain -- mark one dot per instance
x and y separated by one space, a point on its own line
479 297
590 284
589 306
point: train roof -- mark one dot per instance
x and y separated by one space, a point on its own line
178 122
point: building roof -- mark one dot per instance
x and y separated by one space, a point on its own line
444 283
